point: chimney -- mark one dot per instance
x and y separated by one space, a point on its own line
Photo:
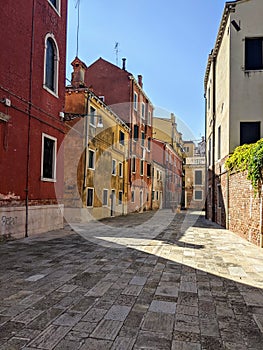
124 63
140 80
78 75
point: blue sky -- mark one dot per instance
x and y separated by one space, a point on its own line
167 41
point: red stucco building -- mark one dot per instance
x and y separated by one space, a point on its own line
32 92
120 90
169 163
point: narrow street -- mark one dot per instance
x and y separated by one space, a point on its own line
146 281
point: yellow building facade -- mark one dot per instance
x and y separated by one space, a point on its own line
96 153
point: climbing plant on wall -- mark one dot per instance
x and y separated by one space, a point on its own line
250 158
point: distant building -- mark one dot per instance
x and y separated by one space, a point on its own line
32 94
125 95
194 175
96 151
165 129
167 176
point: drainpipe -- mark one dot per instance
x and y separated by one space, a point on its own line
29 116
86 128
213 140
206 165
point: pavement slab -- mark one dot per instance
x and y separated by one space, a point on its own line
152 280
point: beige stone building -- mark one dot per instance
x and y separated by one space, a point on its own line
165 129
194 175
158 185
96 151
234 96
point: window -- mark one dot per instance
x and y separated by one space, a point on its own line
113 171
253 53
55 4
135 132
121 138
186 149
198 195
90 195
208 99
120 170
132 196
48 164
249 132
92 116
135 101
143 110
219 142
198 177
157 195
219 196
141 167
149 118
120 197
91 159
153 195
143 138
105 197
148 170
51 65
149 144
133 164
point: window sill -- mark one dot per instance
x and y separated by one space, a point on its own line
50 91
44 179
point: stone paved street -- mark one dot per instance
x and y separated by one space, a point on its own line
145 281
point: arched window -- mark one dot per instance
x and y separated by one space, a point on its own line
51 65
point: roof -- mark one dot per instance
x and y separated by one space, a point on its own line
122 71
229 8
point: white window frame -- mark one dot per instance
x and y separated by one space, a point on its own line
94 159
120 169
114 168
141 167
54 168
143 110
105 190
120 192
92 113
132 195
195 195
55 92
149 122
58 8
199 171
135 101
133 160
90 188
121 142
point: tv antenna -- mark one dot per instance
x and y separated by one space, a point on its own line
77 6
116 49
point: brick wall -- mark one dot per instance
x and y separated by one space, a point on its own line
235 204
244 208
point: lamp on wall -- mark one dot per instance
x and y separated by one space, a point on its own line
235 25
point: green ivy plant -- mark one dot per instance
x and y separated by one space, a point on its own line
250 158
